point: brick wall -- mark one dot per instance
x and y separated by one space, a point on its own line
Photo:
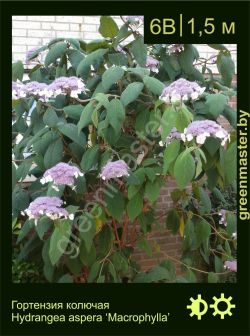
34 31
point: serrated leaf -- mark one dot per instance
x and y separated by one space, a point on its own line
55 52
74 111
115 203
139 50
170 154
152 190
131 92
71 131
216 104
154 85
184 161
111 76
108 27
90 158
17 71
115 114
134 206
50 117
86 116
168 121
226 67
84 66
53 154
59 240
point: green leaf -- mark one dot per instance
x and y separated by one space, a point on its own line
108 27
139 50
87 229
56 51
54 154
87 257
27 226
230 163
156 274
74 111
131 92
111 76
226 67
105 240
23 169
17 71
115 203
154 85
216 104
141 72
90 158
75 57
118 59
231 115
168 121
66 278
97 44
185 161
50 117
71 131
20 199
59 240
84 66
94 271
86 116
152 190
14 177
202 231
205 202
218 46
173 221
170 154
231 223
132 190
212 277
115 114
187 57
43 225
183 119
134 206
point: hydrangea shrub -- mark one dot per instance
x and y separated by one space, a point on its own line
101 127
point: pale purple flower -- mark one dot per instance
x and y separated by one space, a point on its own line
174 134
202 129
234 235
62 173
223 218
47 206
62 85
231 265
134 18
29 53
152 64
175 48
181 90
114 169
18 90
67 85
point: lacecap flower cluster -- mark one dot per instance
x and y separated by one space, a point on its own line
62 85
152 64
181 90
62 173
202 129
114 169
47 206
